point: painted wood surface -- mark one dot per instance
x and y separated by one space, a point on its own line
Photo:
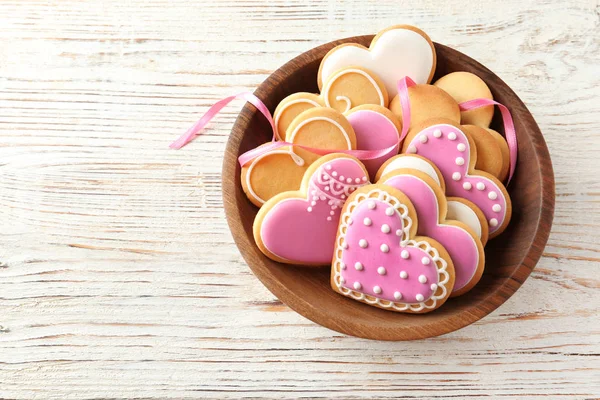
118 274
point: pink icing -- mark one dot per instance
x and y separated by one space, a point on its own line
373 132
371 257
304 230
461 246
446 154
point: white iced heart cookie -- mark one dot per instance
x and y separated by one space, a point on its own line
395 52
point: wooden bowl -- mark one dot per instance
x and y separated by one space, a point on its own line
510 258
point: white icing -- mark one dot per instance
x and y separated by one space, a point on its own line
419 297
384 248
493 222
371 204
381 271
461 212
422 279
425 261
357 285
367 221
329 83
412 163
376 289
496 208
405 254
403 274
398 295
452 136
395 54
437 133
467 186
459 161
385 228
492 195
461 147
411 149
358 266
423 138
389 211
433 287
342 265
480 186
363 243
456 176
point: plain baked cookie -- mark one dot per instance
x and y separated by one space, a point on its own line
299 227
426 102
394 53
505 153
465 86
489 153
380 261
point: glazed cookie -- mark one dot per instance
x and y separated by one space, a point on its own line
426 102
299 227
395 52
461 243
380 261
282 169
458 208
465 86
349 87
505 154
375 128
453 151
489 153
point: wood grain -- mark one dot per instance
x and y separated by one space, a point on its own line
118 275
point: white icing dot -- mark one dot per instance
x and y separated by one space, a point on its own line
397 295
389 211
384 248
329 219
364 178
459 161
452 136
326 188
309 209
363 243
496 208
313 203
423 138
357 180
342 265
492 195
461 147
328 167
381 270
342 280
350 221
399 232
419 297
322 198
332 213
342 178
422 279
348 180
480 186
411 149
376 289
358 266
403 274
385 228
357 285
338 186
405 254
334 207
433 287
367 221
325 177
456 176
425 261
371 204
334 173
345 245
343 196
314 192
437 133
493 222
467 186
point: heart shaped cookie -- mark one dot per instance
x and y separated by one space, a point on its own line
347 88
380 261
282 169
299 227
453 152
394 53
461 243
459 209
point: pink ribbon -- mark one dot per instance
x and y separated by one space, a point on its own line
195 129
509 128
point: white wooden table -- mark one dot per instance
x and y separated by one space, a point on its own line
118 275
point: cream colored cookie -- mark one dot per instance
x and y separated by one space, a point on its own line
465 86
379 259
505 154
282 169
426 102
468 213
489 153
346 88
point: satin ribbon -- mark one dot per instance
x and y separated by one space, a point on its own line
509 128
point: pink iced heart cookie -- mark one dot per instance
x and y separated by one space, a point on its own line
454 153
380 261
463 245
375 128
299 227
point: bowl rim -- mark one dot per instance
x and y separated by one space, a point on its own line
468 316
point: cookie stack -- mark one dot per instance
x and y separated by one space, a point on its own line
403 229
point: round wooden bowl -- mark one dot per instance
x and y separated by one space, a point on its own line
510 258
